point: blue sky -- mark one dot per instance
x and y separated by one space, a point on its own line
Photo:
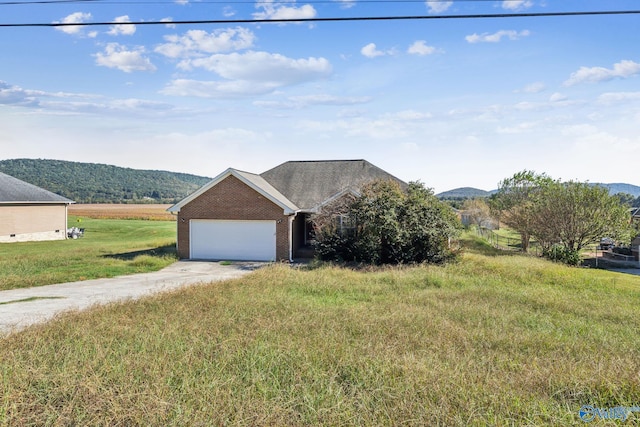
449 102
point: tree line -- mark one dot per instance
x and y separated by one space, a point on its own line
563 217
99 183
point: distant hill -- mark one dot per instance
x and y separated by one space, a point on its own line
98 183
616 188
463 193
471 193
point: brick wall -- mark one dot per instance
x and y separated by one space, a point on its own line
232 199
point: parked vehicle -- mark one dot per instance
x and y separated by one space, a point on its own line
607 243
75 232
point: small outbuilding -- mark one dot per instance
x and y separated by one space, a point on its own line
30 213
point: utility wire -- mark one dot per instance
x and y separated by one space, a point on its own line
232 2
344 19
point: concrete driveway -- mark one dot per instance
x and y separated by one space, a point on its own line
20 308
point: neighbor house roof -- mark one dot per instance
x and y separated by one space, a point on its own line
254 181
13 190
309 184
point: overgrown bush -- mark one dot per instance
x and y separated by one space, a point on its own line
335 247
386 225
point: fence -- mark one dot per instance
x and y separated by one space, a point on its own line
505 242
605 257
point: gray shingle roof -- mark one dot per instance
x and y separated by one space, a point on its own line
310 183
261 183
13 190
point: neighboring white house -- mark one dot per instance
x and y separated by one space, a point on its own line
30 213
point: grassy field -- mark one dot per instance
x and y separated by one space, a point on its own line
493 339
122 211
109 248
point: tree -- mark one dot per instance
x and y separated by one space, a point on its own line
575 214
515 200
386 225
626 199
479 212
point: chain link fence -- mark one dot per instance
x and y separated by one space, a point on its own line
505 242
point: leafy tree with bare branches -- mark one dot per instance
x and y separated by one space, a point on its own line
573 215
515 200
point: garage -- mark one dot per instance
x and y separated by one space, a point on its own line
246 240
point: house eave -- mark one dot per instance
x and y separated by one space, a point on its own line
31 202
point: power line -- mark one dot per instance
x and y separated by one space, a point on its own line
228 2
343 19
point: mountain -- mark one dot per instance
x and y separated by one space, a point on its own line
615 188
471 193
98 183
464 193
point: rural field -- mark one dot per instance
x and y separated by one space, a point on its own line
493 339
110 247
122 211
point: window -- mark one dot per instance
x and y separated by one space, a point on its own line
344 225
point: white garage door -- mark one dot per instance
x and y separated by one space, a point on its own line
233 240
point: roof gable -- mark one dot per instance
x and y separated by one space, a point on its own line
13 190
254 181
310 184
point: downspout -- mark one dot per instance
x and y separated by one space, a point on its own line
291 218
66 220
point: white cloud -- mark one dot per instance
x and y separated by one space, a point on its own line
618 97
590 138
371 51
80 103
410 115
346 4
169 21
122 29
117 56
217 89
535 87
517 128
438 6
272 11
251 73
516 4
264 67
623 69
557 97
197 42
420 47
74 18
14 95
496 37
298 102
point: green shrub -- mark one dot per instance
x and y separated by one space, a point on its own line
386 225
560 253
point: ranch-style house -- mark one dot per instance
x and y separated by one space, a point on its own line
265 217
30 213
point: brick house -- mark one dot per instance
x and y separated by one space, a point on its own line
30 213
244 216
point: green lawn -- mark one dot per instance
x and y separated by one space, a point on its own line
494 339
109 248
